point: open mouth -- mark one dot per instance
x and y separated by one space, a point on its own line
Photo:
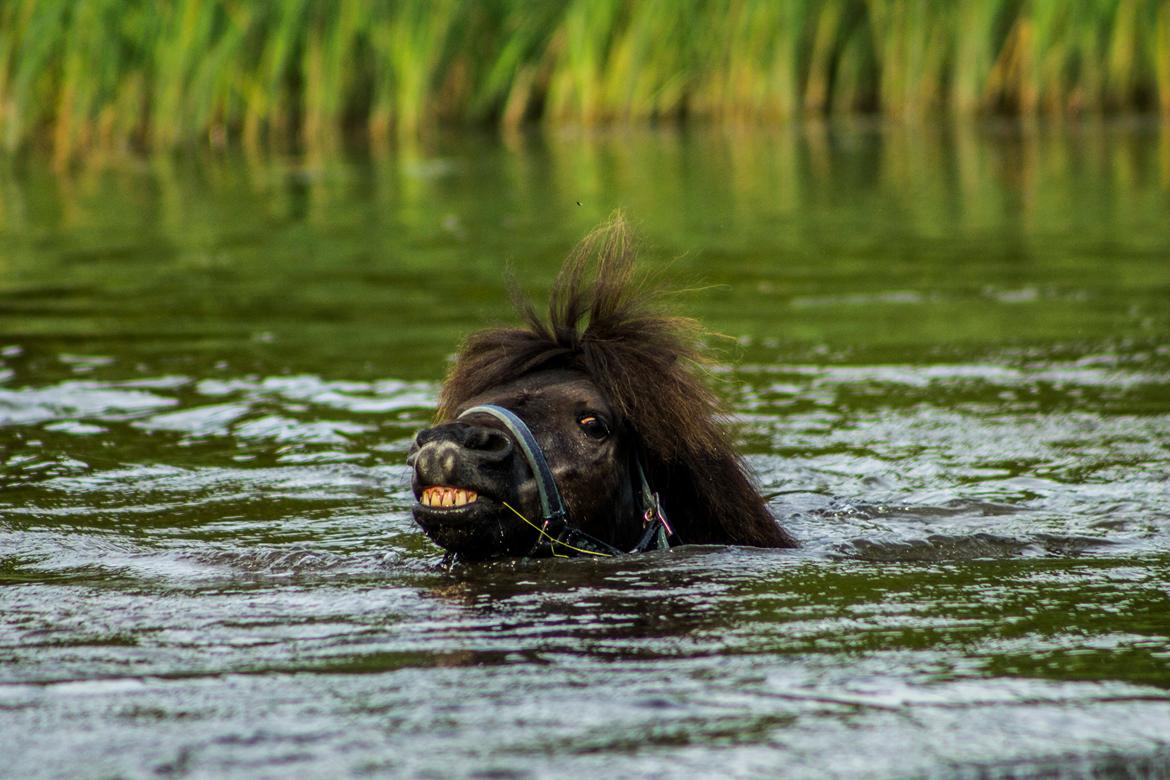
443 497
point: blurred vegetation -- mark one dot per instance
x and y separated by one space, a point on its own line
112 73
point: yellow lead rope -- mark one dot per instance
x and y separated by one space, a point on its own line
552 540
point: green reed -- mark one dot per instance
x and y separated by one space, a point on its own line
116 73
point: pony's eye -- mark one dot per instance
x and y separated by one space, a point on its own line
593 426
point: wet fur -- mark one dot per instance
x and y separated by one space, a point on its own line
603 323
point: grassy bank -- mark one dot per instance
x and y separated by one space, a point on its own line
79 74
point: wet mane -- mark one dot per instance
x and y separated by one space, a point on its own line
607 325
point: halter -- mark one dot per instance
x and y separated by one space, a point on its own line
555 530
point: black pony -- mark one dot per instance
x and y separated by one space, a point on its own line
589 433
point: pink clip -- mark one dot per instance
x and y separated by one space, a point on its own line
666 525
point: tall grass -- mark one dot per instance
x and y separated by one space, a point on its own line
76 75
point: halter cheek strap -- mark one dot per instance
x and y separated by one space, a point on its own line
556 529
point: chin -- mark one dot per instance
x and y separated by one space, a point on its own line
479 528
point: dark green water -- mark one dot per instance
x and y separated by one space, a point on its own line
948 356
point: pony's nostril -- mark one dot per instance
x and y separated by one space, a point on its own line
492 444
420 440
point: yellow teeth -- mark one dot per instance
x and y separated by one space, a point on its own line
447 496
